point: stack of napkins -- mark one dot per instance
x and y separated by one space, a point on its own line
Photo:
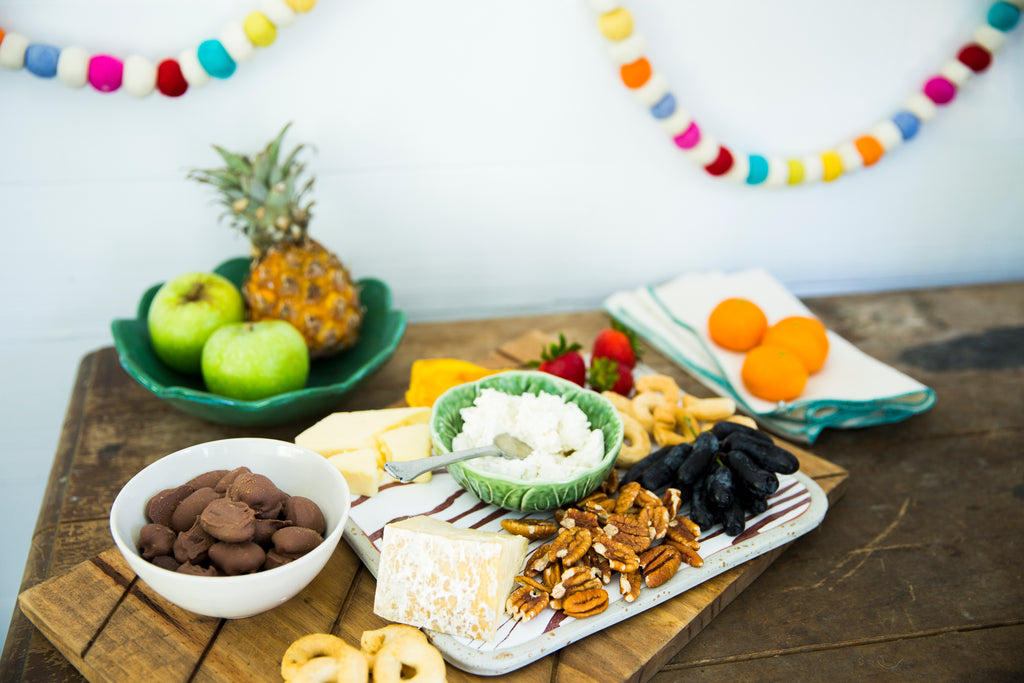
852 389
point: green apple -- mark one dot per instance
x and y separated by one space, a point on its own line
254 360
184 313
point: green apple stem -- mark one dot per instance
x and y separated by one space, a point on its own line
195 292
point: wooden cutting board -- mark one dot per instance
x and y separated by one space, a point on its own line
113 627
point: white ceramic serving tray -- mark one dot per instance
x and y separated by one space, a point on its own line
797 507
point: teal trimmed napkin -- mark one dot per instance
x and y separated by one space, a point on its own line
851 390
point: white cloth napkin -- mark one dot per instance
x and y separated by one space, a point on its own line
852 389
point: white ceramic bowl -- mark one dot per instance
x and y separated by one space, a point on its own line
295 470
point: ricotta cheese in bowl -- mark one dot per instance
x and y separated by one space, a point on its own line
564 444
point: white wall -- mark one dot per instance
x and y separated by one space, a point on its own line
484 159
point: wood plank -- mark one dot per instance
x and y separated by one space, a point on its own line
339 601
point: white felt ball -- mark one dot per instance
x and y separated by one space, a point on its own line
677 122
739 170
921 106
603 6
139 76
237 43
652 92
73 67
887 133
850 157
628 50
814 168
12 51
956 72
778 172
992 39
705 151
193 72
278 11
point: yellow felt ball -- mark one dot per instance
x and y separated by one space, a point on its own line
301 5
259 29
832 164
796 171
616 25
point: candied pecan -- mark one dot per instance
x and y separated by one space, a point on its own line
575 517
585 603
672 499
620 557
532 583
611 483
687 552
573 578
660 564
627 496
629 585
533 529
570 545
525 603
538 561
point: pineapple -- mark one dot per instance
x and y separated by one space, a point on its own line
292 276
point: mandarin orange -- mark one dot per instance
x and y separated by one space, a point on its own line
773 373
737 324
802 335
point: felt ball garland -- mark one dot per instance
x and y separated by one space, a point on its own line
627 47
217 57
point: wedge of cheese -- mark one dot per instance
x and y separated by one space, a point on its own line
361 469
437 576
340 432
402 444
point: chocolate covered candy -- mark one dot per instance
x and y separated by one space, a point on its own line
233 559
188 510
229 521
161 507
156 539
301 511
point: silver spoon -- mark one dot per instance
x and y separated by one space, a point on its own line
505 445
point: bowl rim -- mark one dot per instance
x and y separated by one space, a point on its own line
127 546
177 392
610 455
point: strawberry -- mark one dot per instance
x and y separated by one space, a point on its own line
619 343
562 360
607 374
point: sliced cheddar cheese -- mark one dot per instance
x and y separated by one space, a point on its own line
340 432
437 576
361 469
402 444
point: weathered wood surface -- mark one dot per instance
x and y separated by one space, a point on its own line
915 573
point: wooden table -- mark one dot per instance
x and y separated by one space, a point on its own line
916 572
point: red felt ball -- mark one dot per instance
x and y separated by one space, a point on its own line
169 79
975 57
721 164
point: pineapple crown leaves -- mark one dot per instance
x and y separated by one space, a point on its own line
603 374
555 350
263 196
634 341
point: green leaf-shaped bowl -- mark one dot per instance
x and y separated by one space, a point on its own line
507 492
329 378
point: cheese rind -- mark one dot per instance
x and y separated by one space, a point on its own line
437 576
402 444
340 432
361 469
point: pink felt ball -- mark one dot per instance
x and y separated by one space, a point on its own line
689 138
105 73
939 90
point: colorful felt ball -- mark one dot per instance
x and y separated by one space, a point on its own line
170 81
758 170
192 70
636 73
665 107
907 123
12 51
278 11
1003 16
722 162
616 25
939 90
42 60
301 6
236 42
139 76
975 57
259 29
831 165
73 67
689 138
796 171
105 73
214 59
869 148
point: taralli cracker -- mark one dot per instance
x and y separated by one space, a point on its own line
408 660
314 646
371 642
392 653
636 444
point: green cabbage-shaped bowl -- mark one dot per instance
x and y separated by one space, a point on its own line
515 494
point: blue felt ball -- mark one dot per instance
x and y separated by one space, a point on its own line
42 59
758 170
1003 16
214 59
907 123
665 107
